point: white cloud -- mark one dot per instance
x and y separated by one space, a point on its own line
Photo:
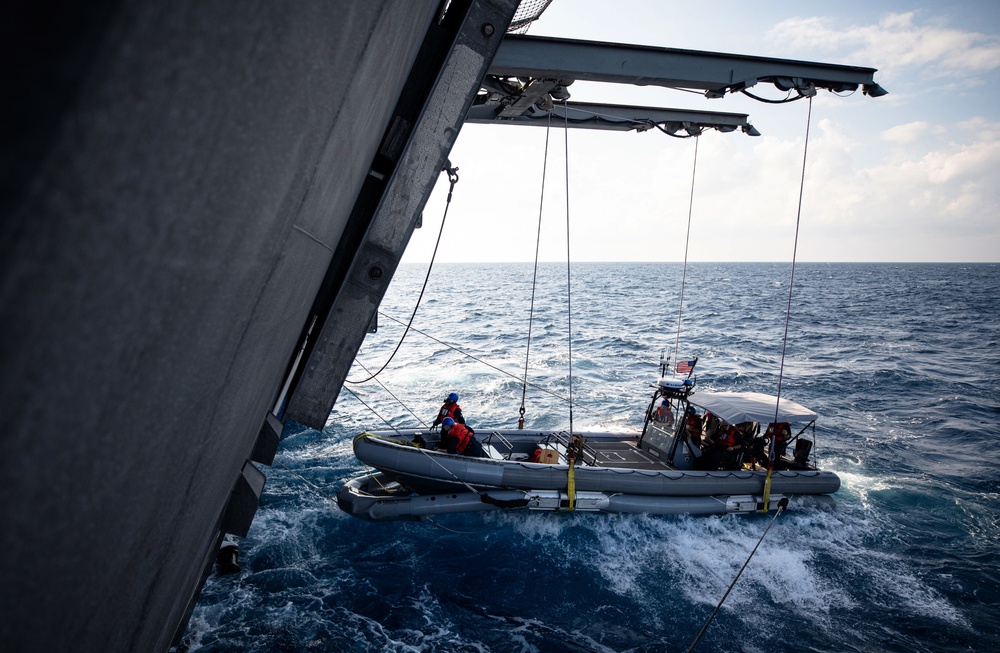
932 198
905 133
938 204
896 38
908 177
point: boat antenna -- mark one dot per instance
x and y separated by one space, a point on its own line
569 301
788 310
687 242
534 275
452 179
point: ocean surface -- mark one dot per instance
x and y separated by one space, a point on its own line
901 361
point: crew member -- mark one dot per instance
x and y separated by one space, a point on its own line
663 413
782 432
731 448
460 439
451 409
694 423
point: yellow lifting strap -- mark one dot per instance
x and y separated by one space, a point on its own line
767 489
571 485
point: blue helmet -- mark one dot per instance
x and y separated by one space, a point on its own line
447 421
453 397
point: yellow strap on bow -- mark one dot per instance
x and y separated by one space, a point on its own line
571 485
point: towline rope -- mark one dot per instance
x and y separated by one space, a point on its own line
398 400
781 508
421 450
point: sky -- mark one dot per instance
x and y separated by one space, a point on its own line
913 176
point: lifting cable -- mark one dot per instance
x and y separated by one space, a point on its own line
534 275
788 310
569 302
452 179
687 242
576 446
781 508
783 503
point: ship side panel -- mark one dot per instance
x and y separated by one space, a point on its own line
159 253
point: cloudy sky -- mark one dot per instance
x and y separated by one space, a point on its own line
911 176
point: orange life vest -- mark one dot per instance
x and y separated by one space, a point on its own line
462 434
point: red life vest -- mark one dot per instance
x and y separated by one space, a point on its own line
732 437
462 434
448 410
783 429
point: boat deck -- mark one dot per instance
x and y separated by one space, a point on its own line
623 455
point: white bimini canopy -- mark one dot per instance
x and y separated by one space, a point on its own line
739 407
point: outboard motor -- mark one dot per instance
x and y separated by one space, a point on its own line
802 449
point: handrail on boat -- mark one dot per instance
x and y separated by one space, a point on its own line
507 443
561 437
565 439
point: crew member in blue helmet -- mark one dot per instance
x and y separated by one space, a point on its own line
449 409
460 439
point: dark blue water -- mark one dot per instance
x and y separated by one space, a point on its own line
901 361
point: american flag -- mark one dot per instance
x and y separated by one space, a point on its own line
685 367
